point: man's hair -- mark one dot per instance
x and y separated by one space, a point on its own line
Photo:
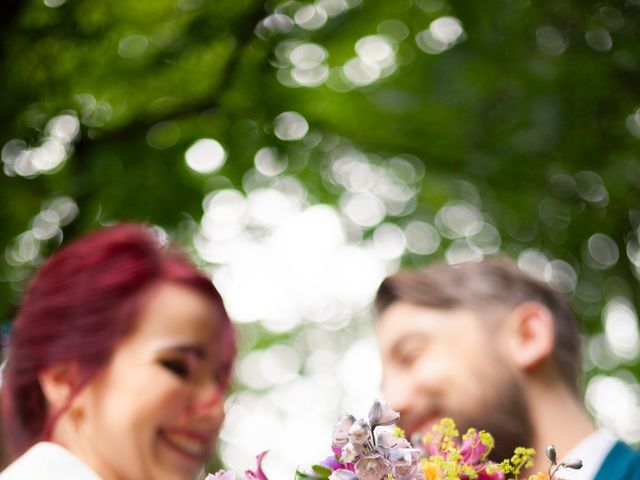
483 287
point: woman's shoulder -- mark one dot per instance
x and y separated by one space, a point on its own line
48 461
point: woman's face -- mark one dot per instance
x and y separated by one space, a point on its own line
156 410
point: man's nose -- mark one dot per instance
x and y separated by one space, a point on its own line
398 391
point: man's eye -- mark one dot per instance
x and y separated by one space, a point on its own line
408 356
177 367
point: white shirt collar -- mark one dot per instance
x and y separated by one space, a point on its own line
48 461
592 450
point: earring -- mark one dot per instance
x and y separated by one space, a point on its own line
76 415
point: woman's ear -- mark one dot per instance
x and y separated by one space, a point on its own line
58 383
530 334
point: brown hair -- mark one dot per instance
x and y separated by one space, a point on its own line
494 283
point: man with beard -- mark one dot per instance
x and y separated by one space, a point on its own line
497 350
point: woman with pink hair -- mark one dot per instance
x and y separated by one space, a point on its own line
117 365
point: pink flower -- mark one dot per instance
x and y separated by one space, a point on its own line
350 453
473 448
258 474
221 475
359 433
405 461
341 431
332 463
432 448
385 438
494 473
372 467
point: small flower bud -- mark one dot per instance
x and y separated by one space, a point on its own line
382 414
550 451
574 464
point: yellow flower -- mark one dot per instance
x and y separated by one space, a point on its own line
430 470
539 476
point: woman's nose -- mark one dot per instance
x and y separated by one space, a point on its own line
208 400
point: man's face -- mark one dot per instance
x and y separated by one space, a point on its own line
447 363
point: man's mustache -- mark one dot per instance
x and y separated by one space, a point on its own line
415 419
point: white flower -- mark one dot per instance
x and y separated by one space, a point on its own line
341 430
350 453
343 475
382 414
360 432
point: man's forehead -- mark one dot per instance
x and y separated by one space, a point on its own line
407 314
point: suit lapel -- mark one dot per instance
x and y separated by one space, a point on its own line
622 463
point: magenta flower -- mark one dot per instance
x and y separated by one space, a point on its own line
258 474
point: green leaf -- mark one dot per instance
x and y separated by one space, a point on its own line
321 470
305 476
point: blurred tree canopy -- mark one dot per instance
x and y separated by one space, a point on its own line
525 113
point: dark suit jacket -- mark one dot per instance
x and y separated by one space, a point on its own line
622 463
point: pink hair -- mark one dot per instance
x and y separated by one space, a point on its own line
79 305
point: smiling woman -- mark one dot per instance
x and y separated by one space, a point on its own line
118 364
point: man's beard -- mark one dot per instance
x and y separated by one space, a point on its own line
505 416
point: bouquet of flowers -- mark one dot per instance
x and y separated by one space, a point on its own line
376 449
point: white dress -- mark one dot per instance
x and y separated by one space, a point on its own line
48 461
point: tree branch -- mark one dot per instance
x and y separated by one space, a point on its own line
139 125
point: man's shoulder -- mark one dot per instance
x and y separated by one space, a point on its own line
622 463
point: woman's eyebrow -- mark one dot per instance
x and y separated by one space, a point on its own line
197 350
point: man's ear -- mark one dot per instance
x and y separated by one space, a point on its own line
530 334
58 383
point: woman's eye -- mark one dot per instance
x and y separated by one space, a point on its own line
177 367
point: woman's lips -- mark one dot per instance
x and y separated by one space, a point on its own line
193 446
